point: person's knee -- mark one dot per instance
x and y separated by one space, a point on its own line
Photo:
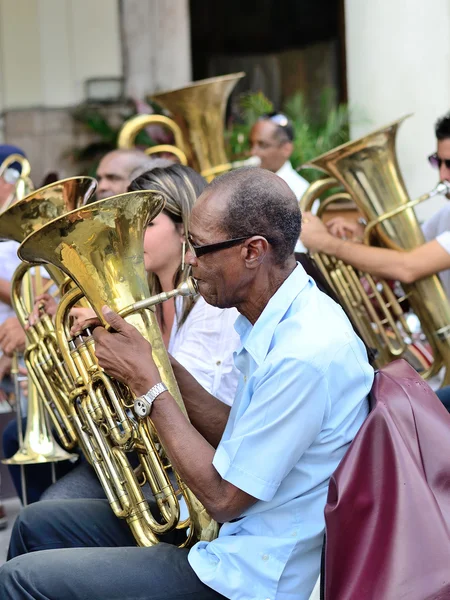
31 520
14 577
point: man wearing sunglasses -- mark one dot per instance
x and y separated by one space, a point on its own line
262 467
271 139
428 259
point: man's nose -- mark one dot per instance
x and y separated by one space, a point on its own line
444 172
190 258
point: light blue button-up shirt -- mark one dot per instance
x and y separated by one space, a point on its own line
299 403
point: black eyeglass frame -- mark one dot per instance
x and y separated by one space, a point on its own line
199 251
436 162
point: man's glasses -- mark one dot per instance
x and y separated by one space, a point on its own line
436 162
207 248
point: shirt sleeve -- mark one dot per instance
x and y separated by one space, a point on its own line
206 349
283 418
9 261
444 240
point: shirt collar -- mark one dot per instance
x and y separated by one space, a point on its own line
256 338
285 169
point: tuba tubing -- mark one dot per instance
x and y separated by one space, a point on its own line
100 248
368 170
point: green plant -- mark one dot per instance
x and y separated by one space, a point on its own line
104 127
315 133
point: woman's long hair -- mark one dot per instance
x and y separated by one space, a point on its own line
181 187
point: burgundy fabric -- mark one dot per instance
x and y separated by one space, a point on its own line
388 509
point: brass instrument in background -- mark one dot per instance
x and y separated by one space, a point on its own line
369 172
198 112
23 184
100 247
48 387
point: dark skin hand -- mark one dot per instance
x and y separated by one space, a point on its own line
12 336
127 356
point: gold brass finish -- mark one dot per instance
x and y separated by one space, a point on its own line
369 172
38 445
199 110
23 185
198 117
30 213
48 381
100 247
133 126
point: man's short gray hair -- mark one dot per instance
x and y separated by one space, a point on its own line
259 202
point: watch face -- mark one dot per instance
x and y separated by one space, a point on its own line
142 407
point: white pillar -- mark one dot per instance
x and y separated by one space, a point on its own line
156 45
397 63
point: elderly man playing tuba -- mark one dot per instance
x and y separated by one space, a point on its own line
260 468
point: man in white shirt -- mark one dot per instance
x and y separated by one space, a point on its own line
428 259
271 139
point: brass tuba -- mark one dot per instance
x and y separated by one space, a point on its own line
100 247
198 112
48 382
370 175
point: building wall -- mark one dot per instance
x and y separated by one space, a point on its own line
48 48
397 63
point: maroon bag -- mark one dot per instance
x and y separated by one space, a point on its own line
388 509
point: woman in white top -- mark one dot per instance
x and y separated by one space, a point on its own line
199 336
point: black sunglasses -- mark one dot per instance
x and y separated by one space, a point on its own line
436 162
207 248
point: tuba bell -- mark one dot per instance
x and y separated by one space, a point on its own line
368 171
198 117
100 247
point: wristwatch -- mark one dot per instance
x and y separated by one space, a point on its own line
143 404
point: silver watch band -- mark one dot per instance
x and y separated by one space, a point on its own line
143 404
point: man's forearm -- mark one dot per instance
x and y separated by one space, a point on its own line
207 414
389 264
192 457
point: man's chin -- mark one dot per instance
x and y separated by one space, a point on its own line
204 293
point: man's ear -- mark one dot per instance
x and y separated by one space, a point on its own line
287 149
255 251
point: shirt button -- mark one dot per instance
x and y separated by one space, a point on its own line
218 363
265 557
